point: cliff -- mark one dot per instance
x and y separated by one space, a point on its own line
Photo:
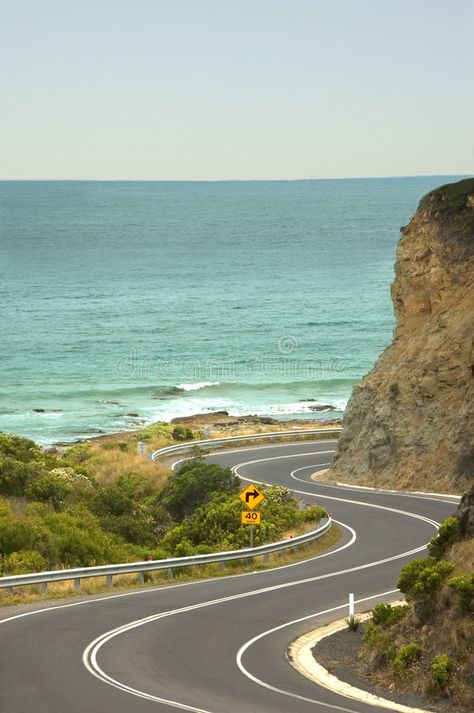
410 422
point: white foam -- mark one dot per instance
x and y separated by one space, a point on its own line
198 385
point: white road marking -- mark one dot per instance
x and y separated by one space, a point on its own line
268 686
362 503
167 587
376 491
90 653
256 448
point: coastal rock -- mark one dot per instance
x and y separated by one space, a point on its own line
410 422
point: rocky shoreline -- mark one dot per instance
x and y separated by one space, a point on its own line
219 423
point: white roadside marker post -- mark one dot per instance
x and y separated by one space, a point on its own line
351 605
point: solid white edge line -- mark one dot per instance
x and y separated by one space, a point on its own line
167 587
358 488
263 634
91 651
242 595
362 503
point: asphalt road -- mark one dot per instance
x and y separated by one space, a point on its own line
218 646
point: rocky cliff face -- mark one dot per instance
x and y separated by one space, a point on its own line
410 422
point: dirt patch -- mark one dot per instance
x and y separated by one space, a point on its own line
339 654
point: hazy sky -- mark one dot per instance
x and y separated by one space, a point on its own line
222 89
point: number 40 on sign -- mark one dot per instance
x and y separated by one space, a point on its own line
252 517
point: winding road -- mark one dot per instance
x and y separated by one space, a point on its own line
218 646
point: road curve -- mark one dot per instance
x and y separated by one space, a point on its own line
218 646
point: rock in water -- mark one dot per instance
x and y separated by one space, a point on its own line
410 422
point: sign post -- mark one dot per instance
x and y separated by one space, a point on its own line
251 497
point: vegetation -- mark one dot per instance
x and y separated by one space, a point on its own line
427 646
385 615
352 623
442 669
446 537
55 512
406 657
421 579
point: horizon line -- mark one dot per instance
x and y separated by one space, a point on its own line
229 180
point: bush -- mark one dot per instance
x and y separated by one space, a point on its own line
18 448
49 487
379 641
182 433
420 579
446 537
385 615
23 562
15 534
194 484
441 672
352 623
406 657
16 475
463 585
123 496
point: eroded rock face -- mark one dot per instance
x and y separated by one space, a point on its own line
410 421
465 514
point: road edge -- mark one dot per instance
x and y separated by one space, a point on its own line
299 654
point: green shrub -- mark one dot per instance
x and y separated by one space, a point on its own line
182 433
406 657
23 562
385 615
49 487
15 475
420 579
463 585
19 448
195 483
15 533
447 535
353 623
379 641
441 672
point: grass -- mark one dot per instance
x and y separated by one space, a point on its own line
109 457
126 582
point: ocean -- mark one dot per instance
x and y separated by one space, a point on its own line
123 303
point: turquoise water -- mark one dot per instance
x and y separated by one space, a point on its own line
127 302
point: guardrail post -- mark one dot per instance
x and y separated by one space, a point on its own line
75 575
140 578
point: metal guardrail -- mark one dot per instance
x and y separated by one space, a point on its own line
216 442
141 568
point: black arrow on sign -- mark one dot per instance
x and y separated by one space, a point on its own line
249 495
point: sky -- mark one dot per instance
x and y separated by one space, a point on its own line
235 89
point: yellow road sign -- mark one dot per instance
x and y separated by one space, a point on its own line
250 517
251 496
